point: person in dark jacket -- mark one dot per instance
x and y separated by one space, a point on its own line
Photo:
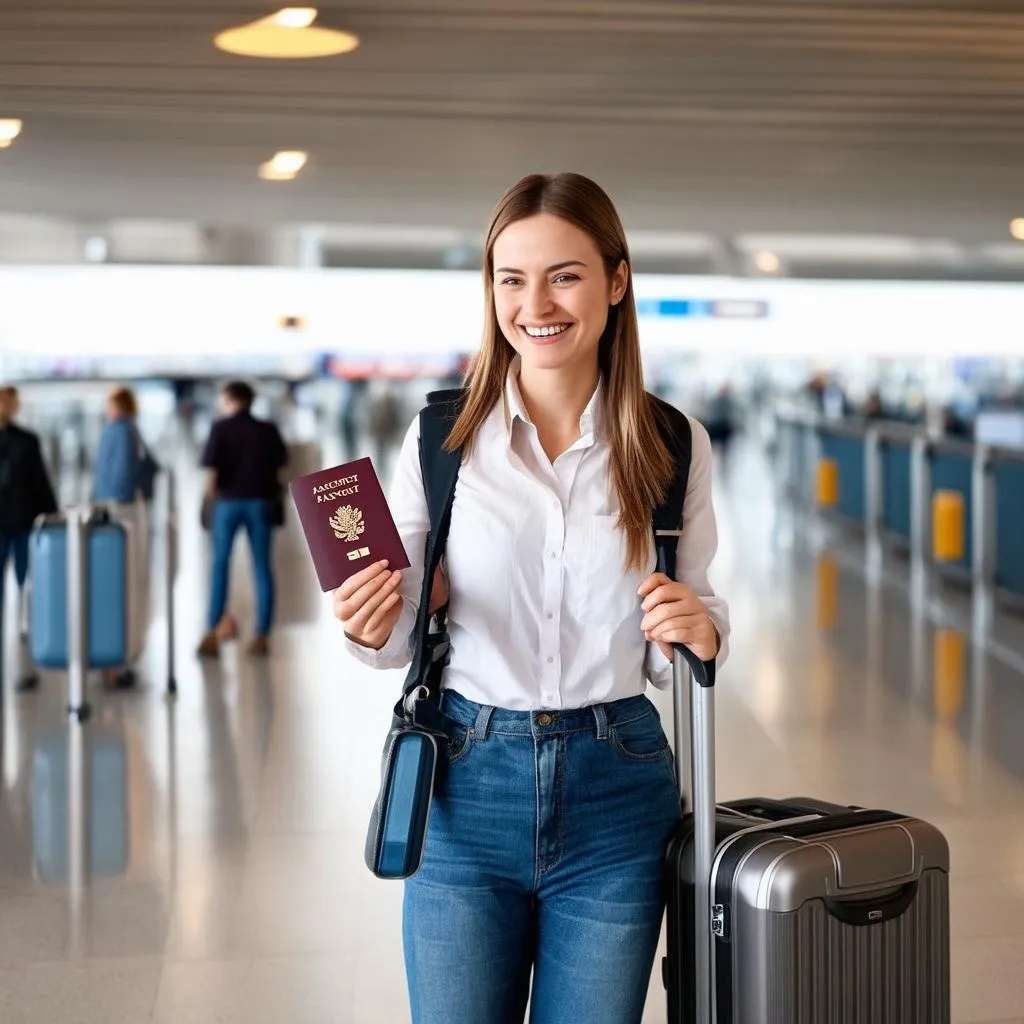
243 456
25 493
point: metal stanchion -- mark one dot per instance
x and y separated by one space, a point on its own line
983 540
873 498
170 572
920 515
77 612
920 498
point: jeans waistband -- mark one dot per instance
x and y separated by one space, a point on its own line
485 719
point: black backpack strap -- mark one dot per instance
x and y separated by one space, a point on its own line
440 470
675 431
667 521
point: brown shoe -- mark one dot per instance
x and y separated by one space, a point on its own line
259 646
227 628
209 646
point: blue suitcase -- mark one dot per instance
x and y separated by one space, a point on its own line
106 589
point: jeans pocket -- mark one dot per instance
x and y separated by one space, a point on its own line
459 741
641 739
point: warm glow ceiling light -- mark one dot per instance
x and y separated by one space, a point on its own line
295 17
287 35
289 161
10 129
767 262
1017 228
284 166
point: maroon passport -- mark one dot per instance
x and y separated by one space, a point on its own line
347 522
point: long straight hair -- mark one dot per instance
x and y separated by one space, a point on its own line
641 465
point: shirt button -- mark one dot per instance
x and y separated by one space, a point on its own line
551 615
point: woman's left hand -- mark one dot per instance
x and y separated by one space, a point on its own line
674 614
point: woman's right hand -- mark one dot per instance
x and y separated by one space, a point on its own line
368 604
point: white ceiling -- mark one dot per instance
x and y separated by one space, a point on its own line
729 118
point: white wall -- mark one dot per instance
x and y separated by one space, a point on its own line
199 316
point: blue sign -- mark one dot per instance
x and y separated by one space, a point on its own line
717 309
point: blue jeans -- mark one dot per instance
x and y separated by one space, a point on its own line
226 519
16 544
544 853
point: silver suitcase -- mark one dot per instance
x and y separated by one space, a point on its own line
797 911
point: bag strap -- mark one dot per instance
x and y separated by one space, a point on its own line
675 430
440 470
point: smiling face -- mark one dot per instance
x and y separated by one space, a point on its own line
552 293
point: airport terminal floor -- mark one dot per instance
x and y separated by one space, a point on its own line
223 879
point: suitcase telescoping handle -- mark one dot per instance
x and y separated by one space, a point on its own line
694 682
699 699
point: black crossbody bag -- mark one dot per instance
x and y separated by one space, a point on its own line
398 825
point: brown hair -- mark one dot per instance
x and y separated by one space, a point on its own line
641 465
124 399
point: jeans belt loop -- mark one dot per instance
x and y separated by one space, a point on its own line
600 721
483 721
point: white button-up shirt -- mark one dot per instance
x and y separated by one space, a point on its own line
542 613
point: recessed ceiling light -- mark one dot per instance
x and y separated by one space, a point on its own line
284 166
767 262
1017 228
290 160
295 17
289 34
10 129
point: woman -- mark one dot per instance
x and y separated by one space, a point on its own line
119 481
119 453
547 837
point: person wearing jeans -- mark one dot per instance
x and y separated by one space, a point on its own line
243 458
555 797
228 517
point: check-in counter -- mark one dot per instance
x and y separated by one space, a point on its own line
1007 470
842 446
894 452
953 504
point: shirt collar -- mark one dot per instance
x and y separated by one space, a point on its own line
591 422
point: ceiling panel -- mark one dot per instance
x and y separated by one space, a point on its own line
718 117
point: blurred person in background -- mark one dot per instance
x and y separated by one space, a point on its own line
243 458
124 478
118 457
25 493
873 407
720 419
384 423
350 410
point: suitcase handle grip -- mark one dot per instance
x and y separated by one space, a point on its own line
863 911
703 671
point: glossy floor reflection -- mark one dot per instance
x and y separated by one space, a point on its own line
207 866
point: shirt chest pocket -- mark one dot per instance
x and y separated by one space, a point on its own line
599 591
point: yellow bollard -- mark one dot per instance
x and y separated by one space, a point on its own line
950 654
948 526
828 483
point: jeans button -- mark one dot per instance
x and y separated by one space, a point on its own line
544 719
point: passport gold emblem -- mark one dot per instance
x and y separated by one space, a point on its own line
347 523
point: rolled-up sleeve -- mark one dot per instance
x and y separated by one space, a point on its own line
408 506
695 553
